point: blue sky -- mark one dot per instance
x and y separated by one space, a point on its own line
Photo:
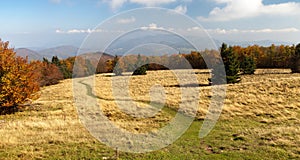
48 23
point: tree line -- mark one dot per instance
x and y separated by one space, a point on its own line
20 79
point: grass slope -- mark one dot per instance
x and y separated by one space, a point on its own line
260 120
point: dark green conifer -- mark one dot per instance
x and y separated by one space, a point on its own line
295 61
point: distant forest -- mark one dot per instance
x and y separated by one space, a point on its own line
263 57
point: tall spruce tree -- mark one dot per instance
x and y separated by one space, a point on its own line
295 66
55 61
231 64
248 65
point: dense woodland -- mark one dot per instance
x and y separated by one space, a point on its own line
20 79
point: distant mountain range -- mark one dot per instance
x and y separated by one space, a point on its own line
264 43
61 52
32 55
169 45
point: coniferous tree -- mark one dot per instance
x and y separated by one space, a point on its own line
65 71
45 60
62 67
295 66
248 65
55 61
231 64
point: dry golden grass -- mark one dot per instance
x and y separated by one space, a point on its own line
256 94
269 98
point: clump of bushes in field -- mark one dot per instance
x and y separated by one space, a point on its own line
138 65
141 66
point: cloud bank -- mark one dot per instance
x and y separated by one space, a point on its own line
239 9
116 4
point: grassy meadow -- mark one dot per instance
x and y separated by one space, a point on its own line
260 120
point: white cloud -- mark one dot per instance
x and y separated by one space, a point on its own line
152 3
193 29
290 8
181 9
236 31
59 31
152 26
115 4
283 30
72 31
126 21
238 9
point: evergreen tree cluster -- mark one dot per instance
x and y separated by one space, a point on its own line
295 61
62 67
232 65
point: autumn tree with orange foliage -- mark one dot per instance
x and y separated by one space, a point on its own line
48 73
17 78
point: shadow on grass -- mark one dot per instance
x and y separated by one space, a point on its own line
9 110
188 85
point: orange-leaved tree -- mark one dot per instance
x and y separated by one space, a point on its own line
48 73
17 78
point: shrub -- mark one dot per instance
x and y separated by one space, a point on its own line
17 78
141 67
141 70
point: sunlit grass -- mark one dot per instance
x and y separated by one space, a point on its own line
260 120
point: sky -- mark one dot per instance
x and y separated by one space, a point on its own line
49 23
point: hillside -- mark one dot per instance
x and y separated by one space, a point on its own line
61 51
32 55
260 118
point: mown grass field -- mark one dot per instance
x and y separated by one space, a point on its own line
260 120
